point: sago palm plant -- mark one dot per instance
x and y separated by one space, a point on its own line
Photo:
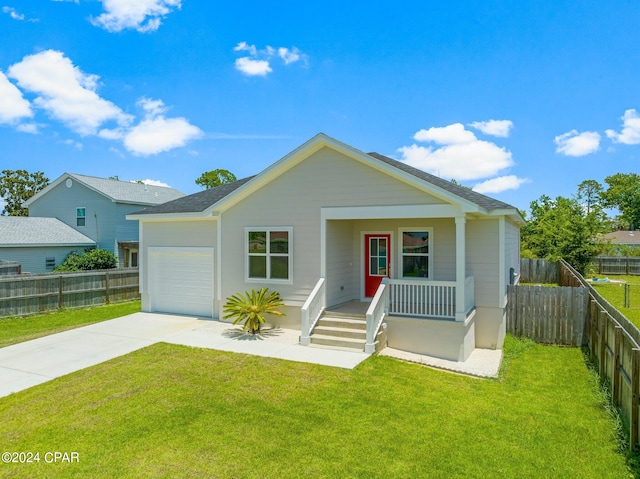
250 308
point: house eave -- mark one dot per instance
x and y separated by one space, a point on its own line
191 216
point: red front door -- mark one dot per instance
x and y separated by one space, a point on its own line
377 261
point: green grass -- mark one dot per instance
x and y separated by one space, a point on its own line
614 293
17 330
174 411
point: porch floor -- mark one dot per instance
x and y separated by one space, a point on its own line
355 307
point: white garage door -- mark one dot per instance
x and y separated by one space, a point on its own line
181 280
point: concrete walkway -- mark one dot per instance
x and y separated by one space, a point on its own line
482 363
34 362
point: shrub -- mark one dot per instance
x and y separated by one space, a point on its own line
250 308
92 259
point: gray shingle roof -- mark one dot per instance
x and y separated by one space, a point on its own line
197 202
126 192
32 231
468 194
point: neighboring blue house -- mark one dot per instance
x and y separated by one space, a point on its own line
96 208
39 244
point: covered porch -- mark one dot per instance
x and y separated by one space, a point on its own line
400 270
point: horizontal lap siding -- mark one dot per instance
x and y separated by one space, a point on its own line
295 199
33 259
512 249
482 260
342 284
444 243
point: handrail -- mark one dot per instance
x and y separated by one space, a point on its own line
375 315
312 310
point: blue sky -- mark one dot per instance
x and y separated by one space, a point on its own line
515 99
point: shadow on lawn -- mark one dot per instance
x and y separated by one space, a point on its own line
240 335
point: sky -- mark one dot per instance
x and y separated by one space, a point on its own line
514 99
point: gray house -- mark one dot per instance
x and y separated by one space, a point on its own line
38 244
96 208
336 230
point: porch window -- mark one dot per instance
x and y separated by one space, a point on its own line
269 255
416 253
81 216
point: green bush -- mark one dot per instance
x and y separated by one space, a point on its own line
92 259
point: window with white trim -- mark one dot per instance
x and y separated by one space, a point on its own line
269 253
81 216
415 253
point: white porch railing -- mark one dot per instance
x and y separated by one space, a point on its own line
376 314
312 310
433 299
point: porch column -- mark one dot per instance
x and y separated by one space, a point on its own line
461 268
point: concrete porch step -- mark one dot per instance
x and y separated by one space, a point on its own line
347 322
341 332
336 341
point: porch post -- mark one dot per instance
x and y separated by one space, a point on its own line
461 269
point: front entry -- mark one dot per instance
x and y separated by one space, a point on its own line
377 261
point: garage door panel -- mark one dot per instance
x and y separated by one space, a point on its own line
181 280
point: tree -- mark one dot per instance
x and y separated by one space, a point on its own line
17 186
215 178
93 259
590 194
559 229
623 194
250 308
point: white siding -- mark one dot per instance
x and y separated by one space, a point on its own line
172 233
483 248
295 199
512 249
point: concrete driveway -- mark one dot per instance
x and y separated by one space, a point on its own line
40 360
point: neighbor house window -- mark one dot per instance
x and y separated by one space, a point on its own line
50 264
269 255
81 216
416 253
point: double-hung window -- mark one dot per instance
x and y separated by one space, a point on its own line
81 216
416 252
269 254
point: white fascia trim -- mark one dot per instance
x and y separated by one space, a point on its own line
385 212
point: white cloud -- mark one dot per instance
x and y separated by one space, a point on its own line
141 15
461 155
28 128
65 92
13 107
13 13
258 63
454 134
573 143
76 144
245 47
252 67
153 183
156 133
630 134
500 184
289 56
500 128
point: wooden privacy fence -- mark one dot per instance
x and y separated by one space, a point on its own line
548 315
611 338
539 271
629 265
29 294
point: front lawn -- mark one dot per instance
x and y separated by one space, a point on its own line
175 411
17 330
